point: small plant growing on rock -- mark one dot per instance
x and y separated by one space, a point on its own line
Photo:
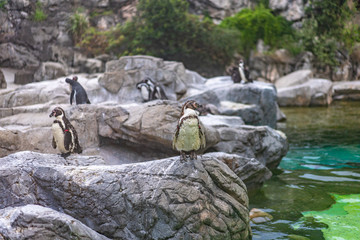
79 24
39 14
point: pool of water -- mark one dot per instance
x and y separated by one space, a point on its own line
323 160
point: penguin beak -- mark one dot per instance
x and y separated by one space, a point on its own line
52 114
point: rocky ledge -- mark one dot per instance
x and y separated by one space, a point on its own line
163 199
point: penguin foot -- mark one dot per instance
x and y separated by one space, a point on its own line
65 155
182 156
193 156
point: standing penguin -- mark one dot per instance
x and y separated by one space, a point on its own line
77 91
65 137
151 90
189 136
244 72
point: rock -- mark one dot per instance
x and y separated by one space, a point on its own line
255 103
315 92
245 140
50 70
92 65
346 90
218 10
157 199
249 170
3 83
259 216
122 75
291 10
15 56
293 79
151 125
24 76
37 222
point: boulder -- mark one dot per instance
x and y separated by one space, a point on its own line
255 102
37 222
3 83
15 56
24 76
291 10
156 200
121 76
293 79
346 90
315 92
249 170
50 70
265 144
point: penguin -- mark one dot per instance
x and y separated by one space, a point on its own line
151 90
189 136
77 91
244 72
65 137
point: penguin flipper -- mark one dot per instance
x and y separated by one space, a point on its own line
72 96
53 143
175 137
67 140
202 137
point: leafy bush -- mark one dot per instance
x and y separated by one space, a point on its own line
79 24
39 14
2 4
165 29
257 24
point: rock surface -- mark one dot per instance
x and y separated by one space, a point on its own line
3 83
346 90
314 92
37 222
158 199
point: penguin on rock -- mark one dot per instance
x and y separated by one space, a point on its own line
189 136
65 137
150 90
77 92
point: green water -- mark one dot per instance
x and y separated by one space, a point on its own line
323 161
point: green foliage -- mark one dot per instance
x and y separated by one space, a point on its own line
165 29
78 25
328 28
257 24
39 14
330 15
3 3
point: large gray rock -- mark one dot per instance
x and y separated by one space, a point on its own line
314 92
346 90
121 76
37 222
218 10
245 140
249 170
153 200
258 100
50 70
293 79
15 56
292 10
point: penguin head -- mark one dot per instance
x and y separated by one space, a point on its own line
141 84
149 81
192 106
57 112
241 64
69 81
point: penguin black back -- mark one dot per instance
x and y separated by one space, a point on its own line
77 92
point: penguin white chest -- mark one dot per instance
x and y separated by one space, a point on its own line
59 137
189 136
144 93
